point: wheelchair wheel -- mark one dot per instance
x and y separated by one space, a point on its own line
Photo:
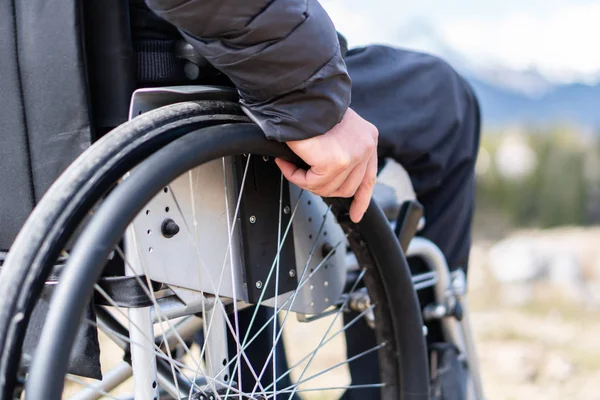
177 198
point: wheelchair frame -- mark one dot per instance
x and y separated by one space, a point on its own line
449 288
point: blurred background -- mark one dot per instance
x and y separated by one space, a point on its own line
535 271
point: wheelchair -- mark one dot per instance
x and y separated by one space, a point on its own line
176 237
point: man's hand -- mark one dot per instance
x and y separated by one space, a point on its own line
343 163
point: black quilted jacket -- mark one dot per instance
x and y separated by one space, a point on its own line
283 56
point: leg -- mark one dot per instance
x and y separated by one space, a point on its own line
258 351
428 121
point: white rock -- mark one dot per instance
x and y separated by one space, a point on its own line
557 368
515 260
563 267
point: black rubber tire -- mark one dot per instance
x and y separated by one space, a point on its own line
68 200
403 362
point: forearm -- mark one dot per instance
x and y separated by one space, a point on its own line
282 55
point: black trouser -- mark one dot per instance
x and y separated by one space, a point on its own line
428 121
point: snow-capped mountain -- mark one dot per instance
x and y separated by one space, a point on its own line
510 96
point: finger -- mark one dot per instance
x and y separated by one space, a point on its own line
327 185
330 173
352 182
308 180
292 172
362 198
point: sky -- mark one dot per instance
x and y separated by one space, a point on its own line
559 38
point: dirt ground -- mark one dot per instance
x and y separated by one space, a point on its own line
548 348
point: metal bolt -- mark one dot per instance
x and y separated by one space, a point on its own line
191 71
252 219
286 209
326 300
327 250
292 273
265 158
435 311
326 283
169 228
258 284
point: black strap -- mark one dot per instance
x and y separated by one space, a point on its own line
157 63
167 62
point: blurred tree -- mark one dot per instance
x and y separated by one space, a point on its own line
563 188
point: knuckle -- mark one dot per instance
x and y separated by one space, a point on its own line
374 131
371 145
371 130
343 161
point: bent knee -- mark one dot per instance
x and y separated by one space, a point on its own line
427 114
428 86
455 105
450 92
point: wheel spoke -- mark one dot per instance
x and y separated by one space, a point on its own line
122 341
135 249
87 385
284 304
119 339
267 281
339 312
205 328
274 348
340 331
325 389
150 341
110 380
230 228
152 297
353 358
216 289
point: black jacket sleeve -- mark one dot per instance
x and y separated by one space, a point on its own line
282 55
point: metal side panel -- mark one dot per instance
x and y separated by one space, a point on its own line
328 279
198 256
197 202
